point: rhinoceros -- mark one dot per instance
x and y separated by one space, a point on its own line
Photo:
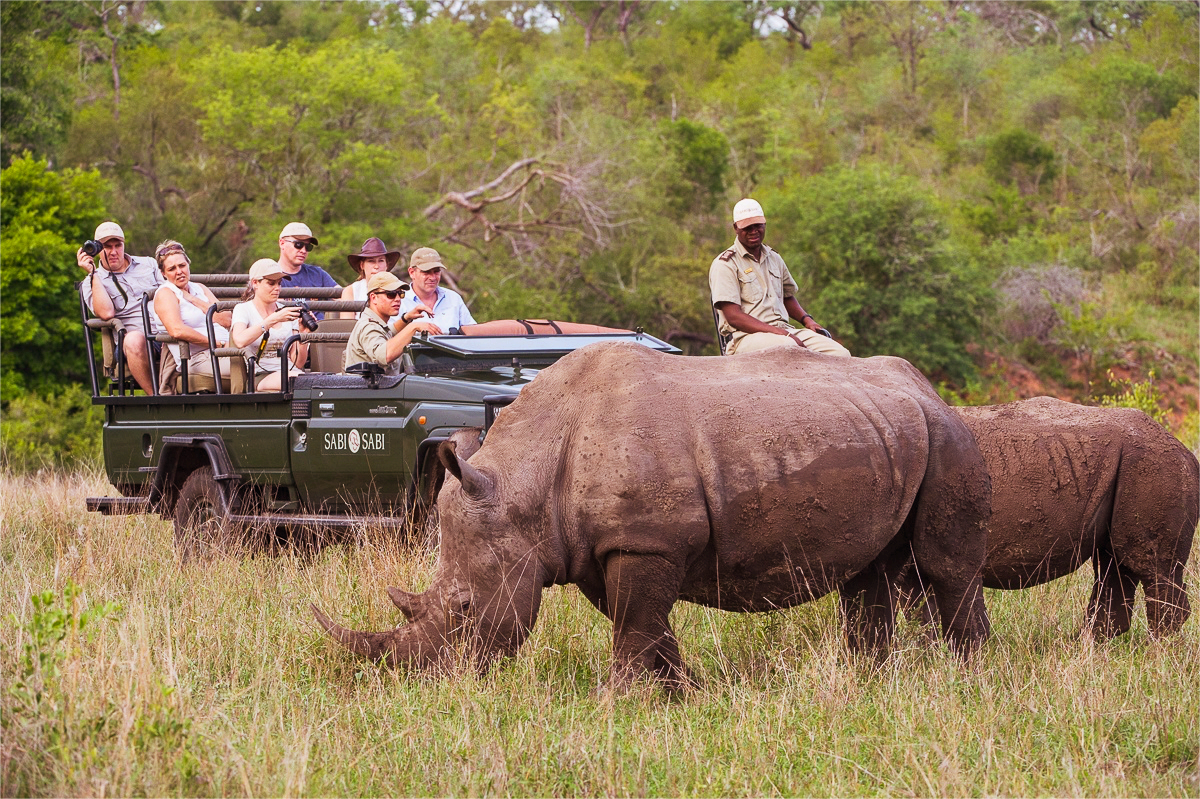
1072 483
746 483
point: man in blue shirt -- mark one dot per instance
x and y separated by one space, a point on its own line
295 242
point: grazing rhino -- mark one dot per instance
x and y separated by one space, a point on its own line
747 484
1072 483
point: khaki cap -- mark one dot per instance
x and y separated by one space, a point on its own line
385 281
109 230
265 267
297 230
425 258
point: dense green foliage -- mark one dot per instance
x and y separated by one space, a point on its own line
580 160
47 216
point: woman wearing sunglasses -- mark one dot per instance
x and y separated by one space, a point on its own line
375 338
261 325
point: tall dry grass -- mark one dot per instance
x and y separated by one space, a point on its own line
214 680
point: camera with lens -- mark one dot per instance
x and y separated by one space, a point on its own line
306 316
93 248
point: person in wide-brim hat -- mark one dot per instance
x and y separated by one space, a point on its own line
372 259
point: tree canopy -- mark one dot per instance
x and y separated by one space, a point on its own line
580 160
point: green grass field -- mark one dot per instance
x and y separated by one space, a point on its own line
214 680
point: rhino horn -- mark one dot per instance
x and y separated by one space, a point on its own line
404 600
475 483
395 647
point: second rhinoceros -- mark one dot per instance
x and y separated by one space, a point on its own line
1072 483
748 483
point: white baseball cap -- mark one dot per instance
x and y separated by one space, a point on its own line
109 230
265 267
297 230
748 212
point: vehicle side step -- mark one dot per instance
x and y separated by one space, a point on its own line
314 522
118 506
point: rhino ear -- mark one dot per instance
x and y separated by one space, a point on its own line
475 483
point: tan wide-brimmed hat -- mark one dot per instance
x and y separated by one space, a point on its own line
373 248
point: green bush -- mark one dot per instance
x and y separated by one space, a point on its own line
871 253
57 431
44 218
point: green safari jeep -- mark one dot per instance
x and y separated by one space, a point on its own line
330 453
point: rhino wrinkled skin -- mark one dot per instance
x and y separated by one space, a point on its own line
1071 484
747 484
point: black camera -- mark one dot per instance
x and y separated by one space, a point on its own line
307 316
93 248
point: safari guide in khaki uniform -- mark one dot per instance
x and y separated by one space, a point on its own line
754 293
375 339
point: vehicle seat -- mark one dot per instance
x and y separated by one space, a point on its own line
326 356
171 380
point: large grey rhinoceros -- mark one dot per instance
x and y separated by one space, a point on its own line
1072 483
748 483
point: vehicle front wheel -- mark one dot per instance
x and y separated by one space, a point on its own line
201 528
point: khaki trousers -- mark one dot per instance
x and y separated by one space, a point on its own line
814 341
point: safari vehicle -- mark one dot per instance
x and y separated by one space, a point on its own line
330 453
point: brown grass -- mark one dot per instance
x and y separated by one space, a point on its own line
214 680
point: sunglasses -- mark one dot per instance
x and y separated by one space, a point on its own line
303 245
391 295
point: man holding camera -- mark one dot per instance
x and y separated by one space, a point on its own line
114 289
375 339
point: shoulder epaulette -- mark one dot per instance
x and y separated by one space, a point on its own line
727 255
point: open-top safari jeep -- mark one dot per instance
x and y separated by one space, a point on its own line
331 453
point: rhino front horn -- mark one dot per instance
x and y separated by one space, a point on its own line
373 646
475 483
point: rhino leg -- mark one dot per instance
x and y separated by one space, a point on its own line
868 604
1167 606
1111 605
915 600
639 593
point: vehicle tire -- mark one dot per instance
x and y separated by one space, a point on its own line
201 530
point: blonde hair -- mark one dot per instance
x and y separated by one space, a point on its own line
169 247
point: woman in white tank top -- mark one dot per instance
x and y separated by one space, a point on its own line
373 258
181 307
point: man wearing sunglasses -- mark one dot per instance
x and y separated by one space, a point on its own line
375 339
296 241
114 288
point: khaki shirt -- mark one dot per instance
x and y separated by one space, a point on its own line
759 287
368 342
125 289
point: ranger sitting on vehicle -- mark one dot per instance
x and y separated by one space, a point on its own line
754 292
115 289
375 339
